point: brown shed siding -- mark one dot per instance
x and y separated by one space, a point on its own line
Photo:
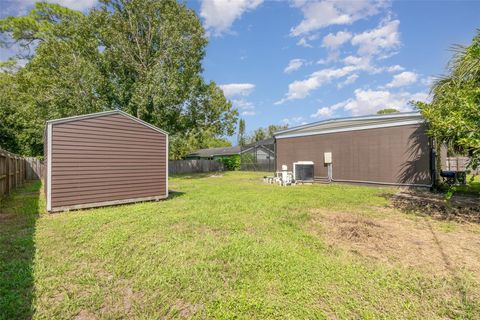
398 154
104 159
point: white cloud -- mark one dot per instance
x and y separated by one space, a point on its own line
22 6
381 41
304 43
219 15
294 121
324 112
76 4
300 89
294 65
334 41
370 101
327 112
237 89
243 104
350 79
245 107
395 68
323 13
403 79
305 40
362 63
428 81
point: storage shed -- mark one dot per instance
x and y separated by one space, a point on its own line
104 158
381 149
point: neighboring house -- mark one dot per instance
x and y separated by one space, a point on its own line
104 158
381 149
260 150
213 153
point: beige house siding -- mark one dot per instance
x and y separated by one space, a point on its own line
397 154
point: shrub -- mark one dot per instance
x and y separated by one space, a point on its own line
231 163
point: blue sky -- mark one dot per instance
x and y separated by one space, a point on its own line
301 61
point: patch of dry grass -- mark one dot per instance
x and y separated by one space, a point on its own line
396 239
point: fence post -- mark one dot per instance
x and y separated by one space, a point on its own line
7 172
15 172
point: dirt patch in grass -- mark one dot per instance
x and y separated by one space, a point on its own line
398 240
85 315
460 208
186 310
4 216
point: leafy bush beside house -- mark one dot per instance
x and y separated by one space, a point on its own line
231 163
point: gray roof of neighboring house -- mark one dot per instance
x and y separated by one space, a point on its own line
267 145
351 124
260 143
211 152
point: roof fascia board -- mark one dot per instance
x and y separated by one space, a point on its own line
359 118
105 113
259 147
223 154
142 122
383 125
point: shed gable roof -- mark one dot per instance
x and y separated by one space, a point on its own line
352 124
102 114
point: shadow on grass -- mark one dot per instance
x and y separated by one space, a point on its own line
18 214
174 194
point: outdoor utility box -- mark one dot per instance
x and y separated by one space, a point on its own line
303 171
327 156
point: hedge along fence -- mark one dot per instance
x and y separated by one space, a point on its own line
15 170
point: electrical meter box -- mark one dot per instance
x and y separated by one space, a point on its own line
327 156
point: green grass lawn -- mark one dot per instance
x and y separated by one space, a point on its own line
224 246
473 185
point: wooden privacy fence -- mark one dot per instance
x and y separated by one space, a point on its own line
35 169
458 164
15 170
12 171
194 166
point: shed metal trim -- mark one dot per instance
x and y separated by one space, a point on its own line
318 132
166 166
400 116
108 203
49 167
105 113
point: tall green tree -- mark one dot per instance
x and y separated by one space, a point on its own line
61 77
454 113
141 56
241 132
265 133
